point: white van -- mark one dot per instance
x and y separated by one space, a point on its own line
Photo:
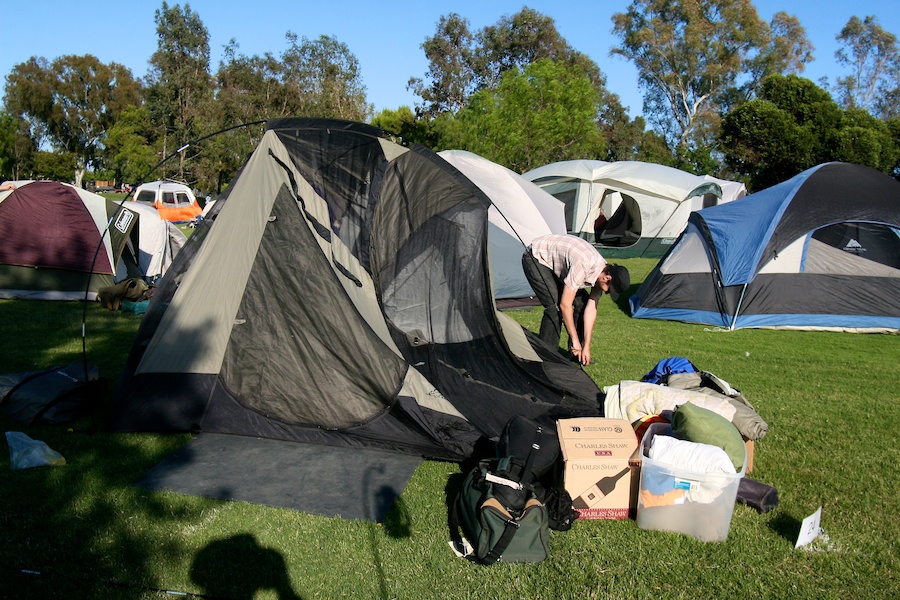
174 201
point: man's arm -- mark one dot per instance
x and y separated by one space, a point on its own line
567 310
590 317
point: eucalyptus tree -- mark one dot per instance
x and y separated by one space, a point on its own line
179 84
692 56
873 57
70 103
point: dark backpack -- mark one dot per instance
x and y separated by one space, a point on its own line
501 517
519 437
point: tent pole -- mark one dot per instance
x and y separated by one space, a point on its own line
737 310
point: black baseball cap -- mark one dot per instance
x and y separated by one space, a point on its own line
620 281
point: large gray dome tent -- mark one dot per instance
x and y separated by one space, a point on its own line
339 293
818 251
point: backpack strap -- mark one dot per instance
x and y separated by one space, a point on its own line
505 538
532 455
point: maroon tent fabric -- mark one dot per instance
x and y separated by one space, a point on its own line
46 224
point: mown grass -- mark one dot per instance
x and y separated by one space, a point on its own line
831 400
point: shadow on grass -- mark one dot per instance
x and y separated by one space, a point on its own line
786 526
83 530
237 567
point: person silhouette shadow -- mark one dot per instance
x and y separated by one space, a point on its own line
238 567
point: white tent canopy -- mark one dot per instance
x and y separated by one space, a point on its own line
520 212
646 204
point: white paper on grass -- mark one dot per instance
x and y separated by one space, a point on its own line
810 529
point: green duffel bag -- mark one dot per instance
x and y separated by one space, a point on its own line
515 530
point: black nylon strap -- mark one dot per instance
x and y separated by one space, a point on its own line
500 547
532 455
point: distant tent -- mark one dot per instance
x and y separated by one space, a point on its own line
645 205
160 242
60 242
819 251
339 294
520 211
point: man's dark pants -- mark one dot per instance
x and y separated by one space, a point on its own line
548 288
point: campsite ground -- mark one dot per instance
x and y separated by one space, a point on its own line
831 401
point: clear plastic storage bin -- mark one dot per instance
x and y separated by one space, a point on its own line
696 504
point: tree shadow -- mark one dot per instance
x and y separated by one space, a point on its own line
237 568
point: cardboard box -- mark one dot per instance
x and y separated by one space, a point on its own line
601 457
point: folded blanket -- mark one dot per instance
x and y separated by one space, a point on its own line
636 400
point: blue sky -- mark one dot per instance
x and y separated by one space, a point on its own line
385 36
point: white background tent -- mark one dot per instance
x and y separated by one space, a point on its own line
520 212
160 241
647 205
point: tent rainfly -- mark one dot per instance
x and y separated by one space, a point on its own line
819 251
646 205
63 243
519 212
339 293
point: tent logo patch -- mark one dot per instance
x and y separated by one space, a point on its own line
124 220
854 246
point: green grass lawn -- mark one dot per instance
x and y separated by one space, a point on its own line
831 401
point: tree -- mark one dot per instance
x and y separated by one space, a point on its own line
129 153
687 54
404 124
794 125
543 114
325 76
522 39
57 166
71 102
785 50
866 140
179 83
17 148
450 78
873 57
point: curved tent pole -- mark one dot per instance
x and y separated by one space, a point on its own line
87 287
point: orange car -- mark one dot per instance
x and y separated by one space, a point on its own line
174 201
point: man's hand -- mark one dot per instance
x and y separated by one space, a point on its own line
582 355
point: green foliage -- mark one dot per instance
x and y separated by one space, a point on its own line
57 166
73 100
403 124
544 114
873 57
794 125
131 156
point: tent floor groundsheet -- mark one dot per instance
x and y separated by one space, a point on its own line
320 480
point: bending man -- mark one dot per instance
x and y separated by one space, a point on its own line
559 269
